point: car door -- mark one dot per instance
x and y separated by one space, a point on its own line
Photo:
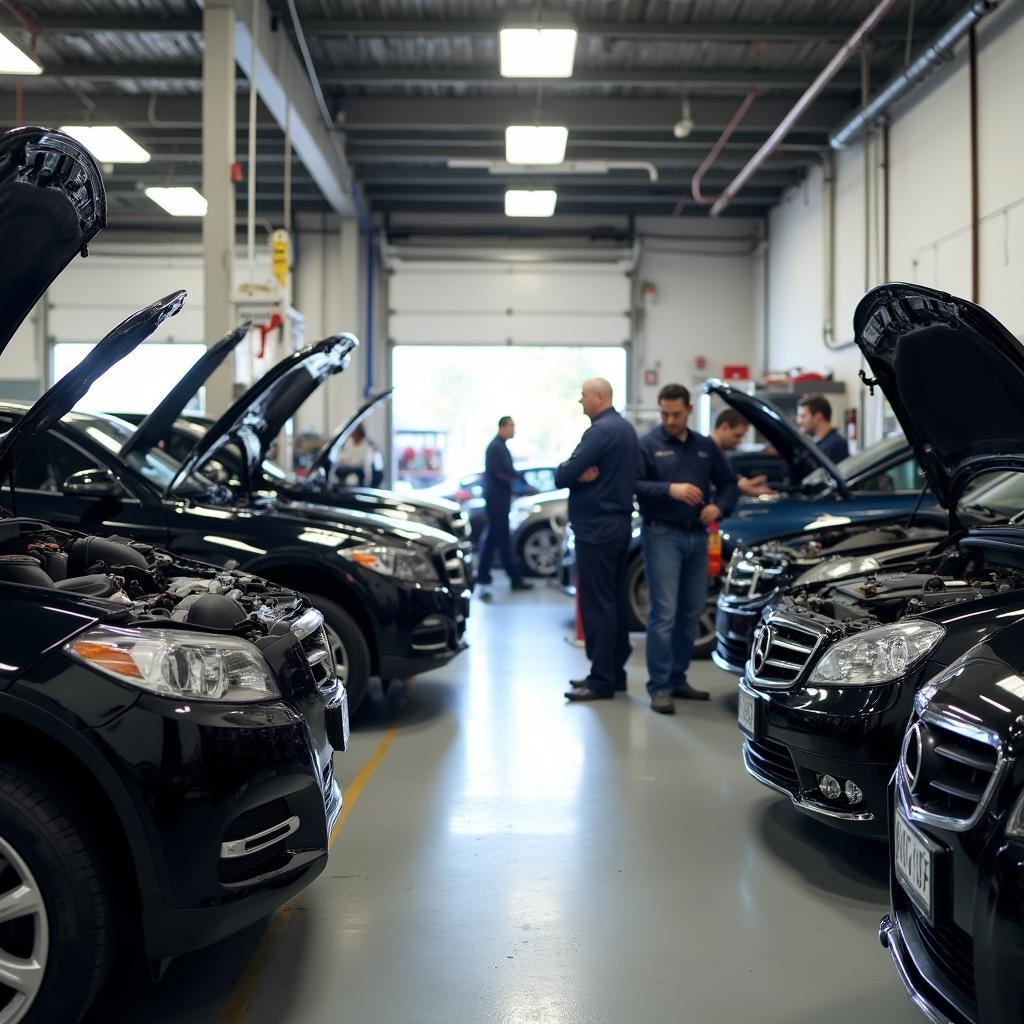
44 464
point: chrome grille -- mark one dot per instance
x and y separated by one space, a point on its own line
455 568
948 771
748 578
781 651
460 524
317 648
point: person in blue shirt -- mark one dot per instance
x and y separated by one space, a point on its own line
499 476
601 474
814 417
685 484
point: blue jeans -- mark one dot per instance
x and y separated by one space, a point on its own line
676 562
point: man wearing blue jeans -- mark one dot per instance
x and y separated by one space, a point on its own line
680 470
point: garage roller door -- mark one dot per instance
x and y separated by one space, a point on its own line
473 303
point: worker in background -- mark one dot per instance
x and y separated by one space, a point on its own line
499 476
680 469
814 417
730 429
601 474
354 467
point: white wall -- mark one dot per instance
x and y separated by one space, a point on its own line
930 211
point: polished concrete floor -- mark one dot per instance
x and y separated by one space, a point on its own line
518 860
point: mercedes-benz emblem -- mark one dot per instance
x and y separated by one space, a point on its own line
762 645
913 755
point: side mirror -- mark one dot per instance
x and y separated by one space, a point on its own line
93 483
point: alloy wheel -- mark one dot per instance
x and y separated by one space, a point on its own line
24 936
341 660
542 552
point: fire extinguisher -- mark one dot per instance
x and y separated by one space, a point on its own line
714 550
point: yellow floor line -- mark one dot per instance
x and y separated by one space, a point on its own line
245 990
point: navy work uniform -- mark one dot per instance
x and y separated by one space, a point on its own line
601 514
675 547
834 445
499 476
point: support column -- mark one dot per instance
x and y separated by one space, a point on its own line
345 313
219 222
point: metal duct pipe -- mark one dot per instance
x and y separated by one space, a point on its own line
939 50
814 90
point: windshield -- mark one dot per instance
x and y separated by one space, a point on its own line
156 465
856 465
1001 493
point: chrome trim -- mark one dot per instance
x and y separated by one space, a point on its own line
891 937
260 840
904 787
798 800
781 619
308 622
428 648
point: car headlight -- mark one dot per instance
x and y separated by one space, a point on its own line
877 655
174 663
837 568
401 563
517 517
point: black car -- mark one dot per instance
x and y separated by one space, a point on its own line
830 683
394 596
166 727
956 928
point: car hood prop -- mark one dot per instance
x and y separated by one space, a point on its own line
324 457
52 204
954 376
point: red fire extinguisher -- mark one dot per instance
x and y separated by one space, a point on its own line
714 550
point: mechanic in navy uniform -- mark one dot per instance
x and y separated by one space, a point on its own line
814 417
499 476
601 474
684 485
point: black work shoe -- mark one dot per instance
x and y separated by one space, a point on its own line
687 692
662 703
521 585
619 687
485 595
578 694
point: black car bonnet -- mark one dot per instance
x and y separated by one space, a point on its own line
69 390
954 377
158 424
801 454
52 204
257 417
324 455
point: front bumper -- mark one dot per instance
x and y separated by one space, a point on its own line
425 630
735 622
805 733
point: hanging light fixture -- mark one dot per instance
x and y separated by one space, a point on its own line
684 125
541 47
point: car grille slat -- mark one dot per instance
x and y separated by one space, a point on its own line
788 645
747 579
781 651
952 951
964 757
454 568
774 761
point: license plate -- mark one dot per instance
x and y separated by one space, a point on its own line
915 865
747 717
337 723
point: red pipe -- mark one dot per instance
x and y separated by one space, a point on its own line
972 43
814 90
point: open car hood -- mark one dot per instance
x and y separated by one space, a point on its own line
68 391
324 456
52 204
801 454
158 424
954 376
257 417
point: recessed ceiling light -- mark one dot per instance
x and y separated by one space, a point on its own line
535 144
179 200
531 49
15 61
530 202
108 143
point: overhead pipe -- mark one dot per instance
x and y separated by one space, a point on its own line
814 90
936 53
716 150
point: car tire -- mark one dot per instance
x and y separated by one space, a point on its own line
540 552
350 649
70 931
639 605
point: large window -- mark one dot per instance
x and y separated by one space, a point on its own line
448 399
138 382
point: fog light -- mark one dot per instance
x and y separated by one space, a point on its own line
830 787
853 793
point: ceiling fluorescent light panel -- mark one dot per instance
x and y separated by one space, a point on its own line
544 49
179 201
535 144
15 61
530 202
108 143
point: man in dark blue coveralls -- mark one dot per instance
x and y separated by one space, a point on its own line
601 474
499 475
814 417
680 472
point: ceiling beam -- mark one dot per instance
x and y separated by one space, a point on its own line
698 31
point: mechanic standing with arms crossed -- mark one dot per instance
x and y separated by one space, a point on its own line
499 476
601 474
679 470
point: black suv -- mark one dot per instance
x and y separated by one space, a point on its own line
831 680
956 929
166 727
